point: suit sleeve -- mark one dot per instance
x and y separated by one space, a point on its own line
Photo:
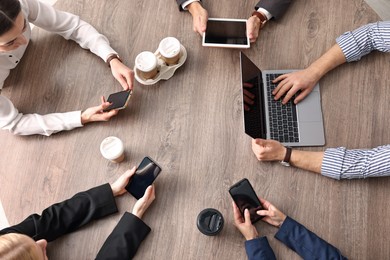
258 249
307 244
180 2
125 239
276 7
67 216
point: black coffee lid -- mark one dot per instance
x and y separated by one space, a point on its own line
210 222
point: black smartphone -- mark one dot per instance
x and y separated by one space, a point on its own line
146 173
119 100
245 198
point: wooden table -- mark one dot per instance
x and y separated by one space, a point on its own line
192 125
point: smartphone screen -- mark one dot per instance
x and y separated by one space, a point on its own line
119 100
145 175
245 198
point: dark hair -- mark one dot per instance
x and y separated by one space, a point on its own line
9 10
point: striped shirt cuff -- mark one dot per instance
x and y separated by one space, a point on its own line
332 162
355 44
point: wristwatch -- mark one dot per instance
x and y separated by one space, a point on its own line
286 160
111 57
262 17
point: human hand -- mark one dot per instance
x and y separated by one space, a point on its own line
94 114
199 17
291 83
253 25
118 187
244 225
271 214
143 203
268 150
122 73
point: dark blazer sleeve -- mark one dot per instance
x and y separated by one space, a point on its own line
258 249
180 2
67 216
276 7
307 244
125 239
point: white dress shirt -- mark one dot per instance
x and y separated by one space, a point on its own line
69 26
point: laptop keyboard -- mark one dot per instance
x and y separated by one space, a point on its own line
283 118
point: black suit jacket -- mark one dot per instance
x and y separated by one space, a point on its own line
276 7
69 215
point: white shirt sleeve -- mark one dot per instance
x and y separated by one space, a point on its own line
186 3
69 26
265 12
17 123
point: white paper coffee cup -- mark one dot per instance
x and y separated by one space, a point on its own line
112 149
169 49
146 64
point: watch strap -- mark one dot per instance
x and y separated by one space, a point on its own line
288 155
261 16
111 57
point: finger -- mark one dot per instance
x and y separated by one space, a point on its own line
281 77
279 86
132 171
246 108
247 216
289 95
301 96
284 88
260 141
265 203
103 99
121 78
262 212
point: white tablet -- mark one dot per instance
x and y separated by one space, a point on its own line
227 33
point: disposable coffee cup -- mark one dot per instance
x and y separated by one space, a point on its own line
210 222
169 49
112 149
146 64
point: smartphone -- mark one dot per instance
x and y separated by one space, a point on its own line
245 198
119 100
146 173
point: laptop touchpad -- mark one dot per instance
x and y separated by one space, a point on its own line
309 109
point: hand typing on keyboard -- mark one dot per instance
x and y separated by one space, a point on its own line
291 83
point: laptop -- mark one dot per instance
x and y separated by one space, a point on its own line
290 124
226 33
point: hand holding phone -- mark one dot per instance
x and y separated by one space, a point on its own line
119 100
146 173
245 198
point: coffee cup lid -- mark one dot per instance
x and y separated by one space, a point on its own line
111 148
169 47
210 222
146 61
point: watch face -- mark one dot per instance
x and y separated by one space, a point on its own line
285 164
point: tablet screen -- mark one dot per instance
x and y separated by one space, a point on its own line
226 33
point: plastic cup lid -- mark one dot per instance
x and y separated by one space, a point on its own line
111 148
169 47
146 61
210 222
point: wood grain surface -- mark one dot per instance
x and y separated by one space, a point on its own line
192 125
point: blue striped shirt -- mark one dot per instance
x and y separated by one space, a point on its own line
374 36
341 163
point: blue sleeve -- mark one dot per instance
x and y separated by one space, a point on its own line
305 243
259 248
355 44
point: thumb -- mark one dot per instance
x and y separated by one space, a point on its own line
262 212
247 216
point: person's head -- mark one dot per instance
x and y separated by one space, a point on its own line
12 25
21 247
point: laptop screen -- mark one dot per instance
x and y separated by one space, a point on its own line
252 98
